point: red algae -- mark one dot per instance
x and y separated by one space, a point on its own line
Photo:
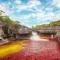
37 50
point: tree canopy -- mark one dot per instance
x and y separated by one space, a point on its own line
7 22
54 23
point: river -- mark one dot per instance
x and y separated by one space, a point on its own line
36 48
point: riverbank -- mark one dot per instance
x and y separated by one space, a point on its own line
49 30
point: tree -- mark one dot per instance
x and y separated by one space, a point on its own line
54 23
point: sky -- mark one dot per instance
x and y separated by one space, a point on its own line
31 12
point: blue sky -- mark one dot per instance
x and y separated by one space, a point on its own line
31 12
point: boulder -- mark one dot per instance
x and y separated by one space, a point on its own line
58 34
24 30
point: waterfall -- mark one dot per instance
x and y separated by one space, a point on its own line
36 37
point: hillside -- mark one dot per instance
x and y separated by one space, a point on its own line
51 24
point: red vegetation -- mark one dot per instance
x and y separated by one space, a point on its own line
37 50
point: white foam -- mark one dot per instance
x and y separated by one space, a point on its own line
36 37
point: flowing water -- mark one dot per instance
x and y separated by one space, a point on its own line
35 48
36 37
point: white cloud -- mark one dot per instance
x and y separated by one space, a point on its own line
48 16
57 3
18 1
43 16
28 6
49 9
4 9
21 7
33 3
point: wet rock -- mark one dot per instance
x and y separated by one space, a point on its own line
1 30
50 30
58 34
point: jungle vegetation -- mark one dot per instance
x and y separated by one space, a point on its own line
52 24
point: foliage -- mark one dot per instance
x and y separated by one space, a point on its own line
6 22
54 23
